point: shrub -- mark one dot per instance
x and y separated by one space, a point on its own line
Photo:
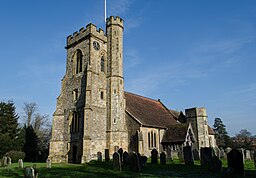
15 155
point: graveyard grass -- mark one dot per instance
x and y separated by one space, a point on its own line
105 169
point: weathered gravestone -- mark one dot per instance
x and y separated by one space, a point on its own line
154 156
196 154
134 162
9 161
228 149
99 156
207 155
188 155
181 155
29 172
248 155
120 151
243 153
217 151
168 154
215 165
235 161
222 153
20 162
107 155
48 163
4 161
126 158
163 158
117 161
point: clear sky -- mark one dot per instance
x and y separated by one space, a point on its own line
187 53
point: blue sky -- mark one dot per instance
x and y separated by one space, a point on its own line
187 53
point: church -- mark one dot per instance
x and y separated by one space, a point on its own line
94 113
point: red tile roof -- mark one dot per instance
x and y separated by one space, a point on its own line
175 133
148 112
210 131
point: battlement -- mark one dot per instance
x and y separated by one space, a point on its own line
115 21
90 30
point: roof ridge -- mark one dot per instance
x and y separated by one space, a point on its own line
141 96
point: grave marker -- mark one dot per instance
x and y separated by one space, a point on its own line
235 161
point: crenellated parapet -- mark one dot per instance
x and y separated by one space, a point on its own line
115 21
90 30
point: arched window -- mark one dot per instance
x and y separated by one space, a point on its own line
152 139
148 139
75 123
102 64
155 140
79 62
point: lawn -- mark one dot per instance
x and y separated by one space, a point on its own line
103 169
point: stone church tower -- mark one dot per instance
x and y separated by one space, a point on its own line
90 111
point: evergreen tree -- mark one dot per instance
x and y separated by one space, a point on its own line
31 145
221 136
9 130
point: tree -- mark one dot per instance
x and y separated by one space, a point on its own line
11 137
31 146
222 137
29 109
243 139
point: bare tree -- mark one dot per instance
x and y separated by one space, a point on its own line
40 121
29 109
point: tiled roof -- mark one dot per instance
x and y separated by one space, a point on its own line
175 133
148 112
210 131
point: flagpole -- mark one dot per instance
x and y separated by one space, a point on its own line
105 10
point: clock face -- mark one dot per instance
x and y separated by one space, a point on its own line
96 45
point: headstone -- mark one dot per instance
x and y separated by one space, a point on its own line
188 156
229 172
222 153
29 172
207 154
181 155
168 154
126 158
215 165
117 161
163 158
254 159
243 153
9 161
48 163
99 156
228 149
4 161
154 156
248 155
107 155
235 161
143 160
196 154
134 162
217 151
20 162
120 151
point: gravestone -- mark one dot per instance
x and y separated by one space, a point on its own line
134 162
20 162
9 161
143 160
243 152
48 163
235 161
254 159
196 154
117 161
154 156
163 158
228 149
29 172
188 155
248 155
107 155
4 164
207 154
181 155
120 151
217 151
215 165
168 154
99 156
222 153
126 158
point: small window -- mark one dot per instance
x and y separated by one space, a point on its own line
102 95
155 140
102 64
148 139
75 94
79 63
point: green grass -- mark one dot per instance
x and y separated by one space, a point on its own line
175 169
